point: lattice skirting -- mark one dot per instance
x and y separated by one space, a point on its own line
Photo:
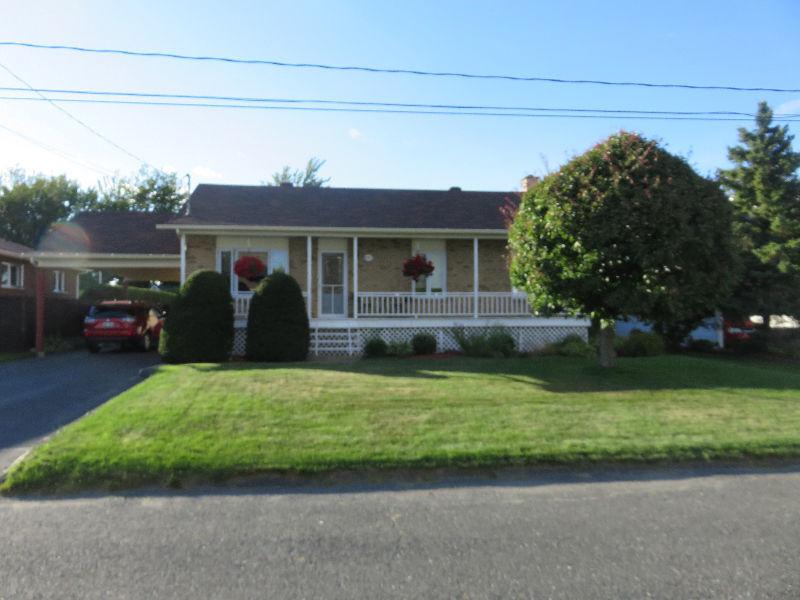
350 341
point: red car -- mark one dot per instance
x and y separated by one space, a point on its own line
738 331
124 322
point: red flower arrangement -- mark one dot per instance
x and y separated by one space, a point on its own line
250 268
417 266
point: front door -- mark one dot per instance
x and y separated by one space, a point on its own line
333 266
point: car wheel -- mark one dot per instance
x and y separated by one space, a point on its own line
93 348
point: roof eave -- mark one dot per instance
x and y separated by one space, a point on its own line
322 231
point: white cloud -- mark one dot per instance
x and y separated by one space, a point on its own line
354 133
792 106
201 172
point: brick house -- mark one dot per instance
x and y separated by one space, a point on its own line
19 274
344 246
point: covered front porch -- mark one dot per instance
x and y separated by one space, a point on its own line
361 277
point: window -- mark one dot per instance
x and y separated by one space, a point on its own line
436 252
12 275
59 282
274 259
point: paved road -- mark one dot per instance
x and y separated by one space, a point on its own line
37 396
726 534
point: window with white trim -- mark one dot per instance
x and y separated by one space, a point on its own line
12 275
274 259
59 282
436 252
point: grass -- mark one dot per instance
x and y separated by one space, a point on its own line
211 422
9 356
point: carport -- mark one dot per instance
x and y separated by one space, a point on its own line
126 244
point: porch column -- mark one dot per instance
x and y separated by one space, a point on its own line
475 278
308 276
39 311
355 277
183 258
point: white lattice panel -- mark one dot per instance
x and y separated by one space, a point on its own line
350 342
239 341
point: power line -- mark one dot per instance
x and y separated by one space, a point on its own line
363 69
392 111
382 104
73 117
61 153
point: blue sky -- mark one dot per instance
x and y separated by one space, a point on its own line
729 42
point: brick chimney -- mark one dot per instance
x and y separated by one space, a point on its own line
528 182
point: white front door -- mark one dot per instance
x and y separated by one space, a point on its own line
332 284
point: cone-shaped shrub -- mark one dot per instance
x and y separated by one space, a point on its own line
277 326
199 324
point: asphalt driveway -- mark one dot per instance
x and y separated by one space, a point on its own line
37 396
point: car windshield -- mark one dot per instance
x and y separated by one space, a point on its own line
110 312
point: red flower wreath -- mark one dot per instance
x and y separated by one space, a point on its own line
417 266
249 267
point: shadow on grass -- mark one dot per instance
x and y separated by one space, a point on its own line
563 375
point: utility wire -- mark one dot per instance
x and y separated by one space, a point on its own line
85 92
61 153
73 117
392 111
363 69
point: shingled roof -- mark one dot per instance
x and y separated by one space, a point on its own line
7 247
112 233
357 208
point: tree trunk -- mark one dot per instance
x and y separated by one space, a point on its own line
766 324
607 353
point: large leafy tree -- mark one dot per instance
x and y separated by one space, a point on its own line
148 190
626 229
308 177
765 191
30 203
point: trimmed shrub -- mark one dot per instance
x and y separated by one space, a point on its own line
375 348
495 343
277 325
639 343
156 298
784 343
423 343
399 349
199 324
701 346
572 346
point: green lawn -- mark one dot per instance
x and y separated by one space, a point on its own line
9 356
209 422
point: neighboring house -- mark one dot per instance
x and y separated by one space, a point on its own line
19 273
344 246
126 244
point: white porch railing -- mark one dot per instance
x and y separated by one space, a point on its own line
446 304
407 304
241 305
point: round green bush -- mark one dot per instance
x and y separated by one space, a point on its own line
199 324
573 346
277 325
423 343
501 343
639 343
375 348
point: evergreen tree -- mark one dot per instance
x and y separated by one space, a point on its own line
766 198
